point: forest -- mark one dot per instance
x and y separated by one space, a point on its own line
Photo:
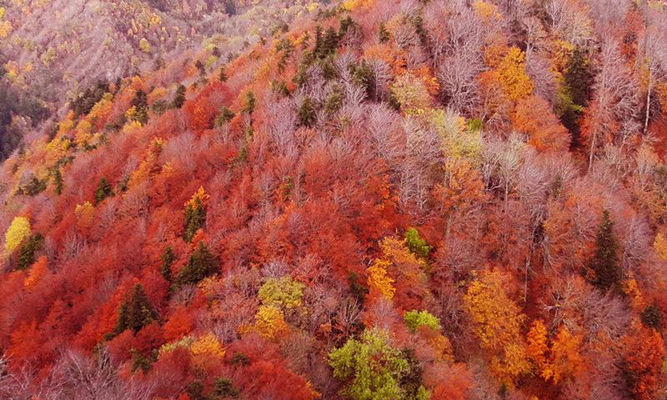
375 200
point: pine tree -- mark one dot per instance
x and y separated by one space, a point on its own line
383 33
577 80
223 74
225 116
58 181
306 113
329 43
578 77
140 103
605 263
179 98
167 261
103 190
195 215
28 251
202 264
250 103
136 311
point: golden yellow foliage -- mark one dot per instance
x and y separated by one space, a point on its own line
457 140
537 344
102 108
631 289
36 273
662 94
145 45
566 358
5 29
48 56
66 124
184 342
157 93
56 149
270 322
660 246
84 214
17 233
312 7
487 11
83 134
379 280
149 166
355 4
512 75
208 344
199 194
131 126
411 93
498 321
12 68
561 53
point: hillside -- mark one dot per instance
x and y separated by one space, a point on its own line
381 199
53 51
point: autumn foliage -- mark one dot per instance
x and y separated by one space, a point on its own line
385 200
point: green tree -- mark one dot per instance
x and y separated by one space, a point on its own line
416 243
652 317
250 103
223 389
284 292
574 93
415 319
140 104
225 116
179 97
578 77
103 190
383 33
28 251
306 113
605 263
373 370
167 261
329 43
136 311
58 181
202 263
195 216
364 76
35 186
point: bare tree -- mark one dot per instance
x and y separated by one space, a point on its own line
613 113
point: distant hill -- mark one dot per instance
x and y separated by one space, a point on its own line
53 50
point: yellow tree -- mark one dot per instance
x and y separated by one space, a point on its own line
17 233
497 323
538 345
379 281
566 360
208 344
511 73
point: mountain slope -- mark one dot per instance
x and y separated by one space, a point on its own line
53 51
385 199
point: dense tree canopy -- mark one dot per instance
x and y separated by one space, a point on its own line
381 200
